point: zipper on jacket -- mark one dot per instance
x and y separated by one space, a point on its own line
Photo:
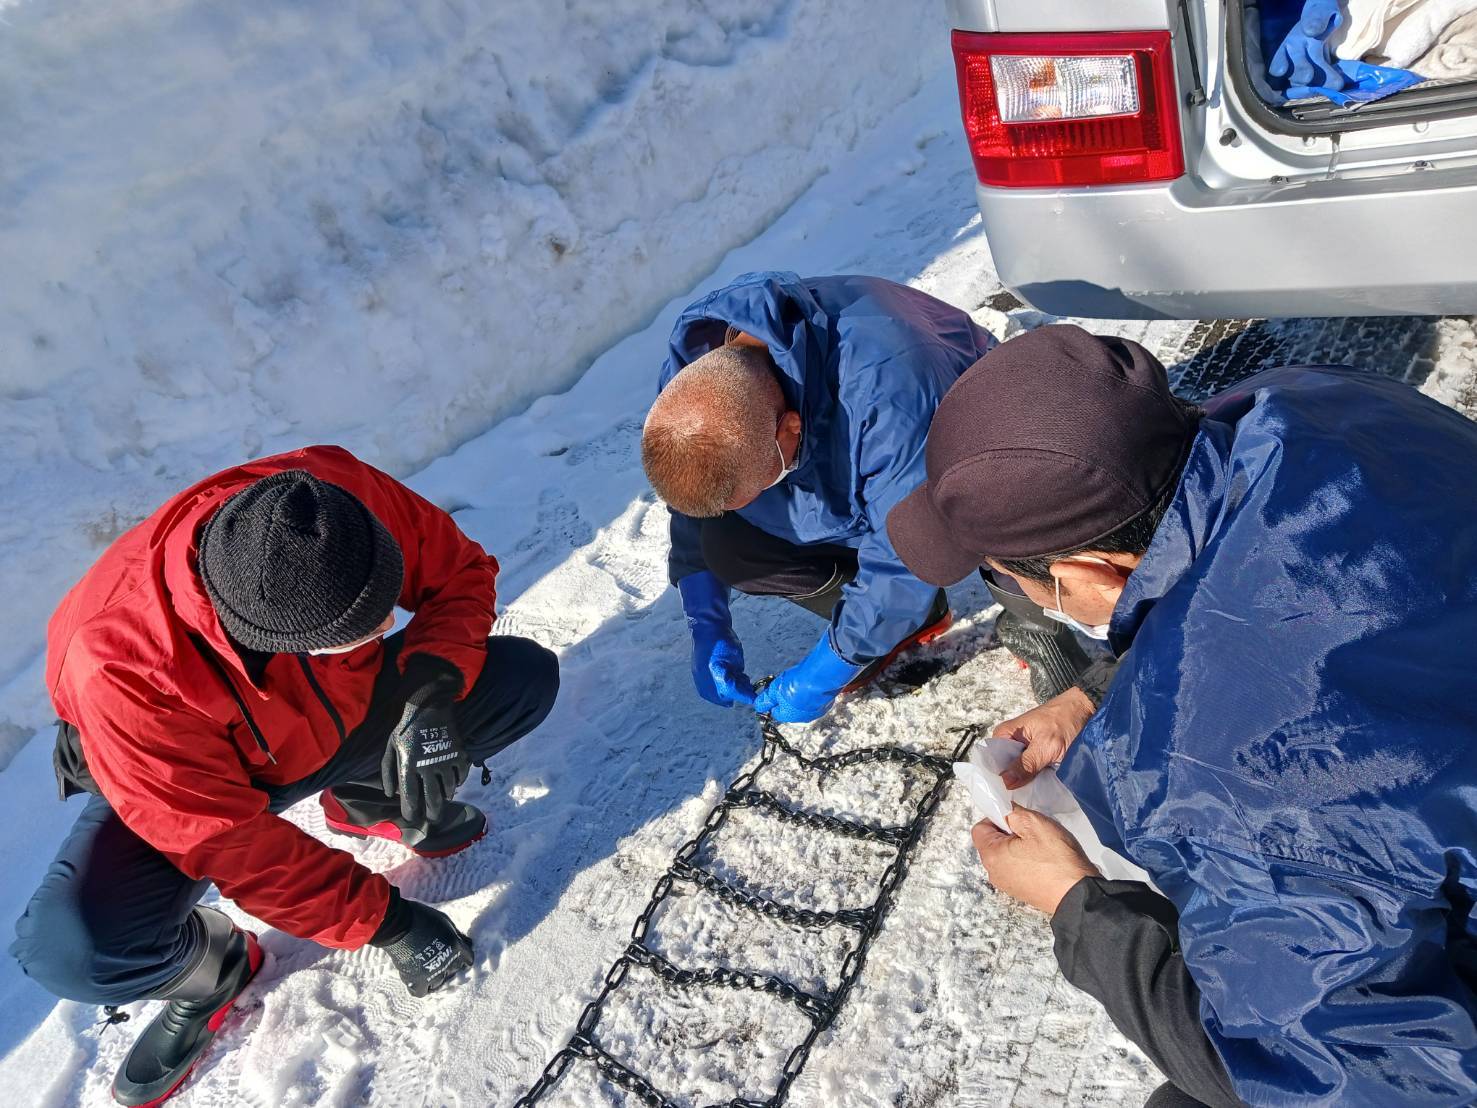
338 722
220 670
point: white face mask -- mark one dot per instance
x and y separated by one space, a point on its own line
349 649
785 470
1092 631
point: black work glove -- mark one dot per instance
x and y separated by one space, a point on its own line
424 760
423 943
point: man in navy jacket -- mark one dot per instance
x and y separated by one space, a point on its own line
1290 746
791 418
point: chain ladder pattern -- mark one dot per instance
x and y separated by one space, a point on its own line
866 922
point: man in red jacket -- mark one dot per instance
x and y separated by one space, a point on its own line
226 658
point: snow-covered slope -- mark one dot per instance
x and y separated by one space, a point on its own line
229 228
960 1005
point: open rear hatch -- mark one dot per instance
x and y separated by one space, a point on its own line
1246 58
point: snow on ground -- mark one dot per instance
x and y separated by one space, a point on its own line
960 1005
219 221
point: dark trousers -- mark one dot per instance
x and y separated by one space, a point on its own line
1167 1096
1118 941
755 562
109 923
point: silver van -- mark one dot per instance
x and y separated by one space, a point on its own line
1129 168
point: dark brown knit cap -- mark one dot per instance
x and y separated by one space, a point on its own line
1048 442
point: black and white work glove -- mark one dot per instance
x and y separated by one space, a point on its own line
424 760
424 944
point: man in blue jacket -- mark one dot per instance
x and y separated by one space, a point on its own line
1290 747
791 418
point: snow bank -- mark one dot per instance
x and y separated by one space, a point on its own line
960 1003
228 229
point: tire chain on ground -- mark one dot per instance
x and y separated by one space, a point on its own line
1218 353
1215 355
821 1010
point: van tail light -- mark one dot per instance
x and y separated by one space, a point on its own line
1069 109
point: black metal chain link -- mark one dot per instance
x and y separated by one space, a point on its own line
867 922
818 821
816 1007
729 893
620 1075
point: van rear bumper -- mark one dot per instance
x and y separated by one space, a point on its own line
1403 245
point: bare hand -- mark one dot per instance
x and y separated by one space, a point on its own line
1038 864
1046 731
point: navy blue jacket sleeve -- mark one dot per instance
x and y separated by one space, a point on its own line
1357 1002
885 603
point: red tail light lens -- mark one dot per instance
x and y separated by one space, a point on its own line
1069 109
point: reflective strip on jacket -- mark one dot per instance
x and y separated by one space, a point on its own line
865 362
1290 748
165 738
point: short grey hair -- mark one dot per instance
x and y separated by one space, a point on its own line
712 429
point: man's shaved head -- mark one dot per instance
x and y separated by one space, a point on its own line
709 440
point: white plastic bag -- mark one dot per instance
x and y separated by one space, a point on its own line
989 758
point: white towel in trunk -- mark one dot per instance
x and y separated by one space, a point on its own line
1455 53
1368 25
1425 28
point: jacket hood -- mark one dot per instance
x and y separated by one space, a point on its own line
778 309
1288 746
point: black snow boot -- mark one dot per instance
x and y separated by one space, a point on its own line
198 1003
939 620
1049 649
365 812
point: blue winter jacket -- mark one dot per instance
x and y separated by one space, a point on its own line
865 362
1290 747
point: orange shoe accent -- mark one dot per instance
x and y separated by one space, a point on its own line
921 637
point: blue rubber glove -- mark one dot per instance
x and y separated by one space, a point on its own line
1304 58
717 654
804 692
1363 83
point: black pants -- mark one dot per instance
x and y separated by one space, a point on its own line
755 562
109 923
1118 941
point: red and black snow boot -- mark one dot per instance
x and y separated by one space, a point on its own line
1049 650
365 812
169 1048
939 620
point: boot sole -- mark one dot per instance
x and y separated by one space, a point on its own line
390 832
254 959
921 638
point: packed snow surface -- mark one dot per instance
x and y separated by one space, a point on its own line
230 228
960 1004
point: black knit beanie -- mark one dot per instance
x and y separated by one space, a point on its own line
293 564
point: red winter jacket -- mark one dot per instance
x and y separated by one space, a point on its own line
166 740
